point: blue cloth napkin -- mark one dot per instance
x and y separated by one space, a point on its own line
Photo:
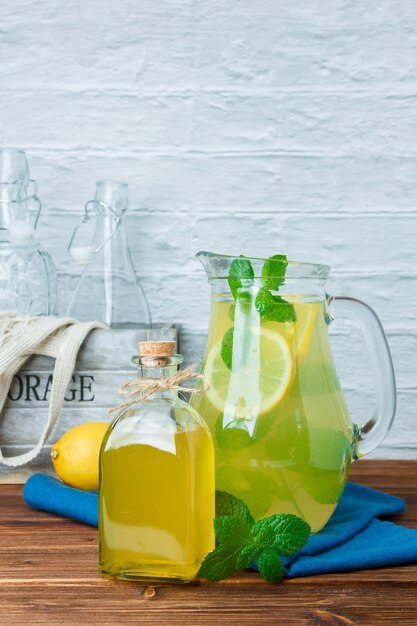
49 494
353 538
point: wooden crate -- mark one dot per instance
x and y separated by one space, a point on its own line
103 363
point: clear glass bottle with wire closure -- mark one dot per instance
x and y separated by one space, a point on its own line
109 289
156 491
27 272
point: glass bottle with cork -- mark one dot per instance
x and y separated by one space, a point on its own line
156 493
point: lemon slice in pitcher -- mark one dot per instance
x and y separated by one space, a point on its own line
275 373
304 326
298 334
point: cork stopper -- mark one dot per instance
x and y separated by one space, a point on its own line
154 354
156 348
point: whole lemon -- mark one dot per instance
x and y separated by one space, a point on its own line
76 455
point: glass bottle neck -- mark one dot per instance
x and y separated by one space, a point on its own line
13 204
159 373
108 231
113 194
110 204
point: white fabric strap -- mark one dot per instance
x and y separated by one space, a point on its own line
24 336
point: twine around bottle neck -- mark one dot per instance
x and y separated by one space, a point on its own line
140 389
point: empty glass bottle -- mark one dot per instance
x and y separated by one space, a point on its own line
27 273
109 290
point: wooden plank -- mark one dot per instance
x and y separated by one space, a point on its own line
131 603
32 390
101 349
23 427
18 475
48 574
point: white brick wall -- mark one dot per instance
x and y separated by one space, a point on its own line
241 126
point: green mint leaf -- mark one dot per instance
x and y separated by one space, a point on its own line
220 563
247 555
285 533
264 302
234 436
241 274
241 540
273 271
226 350
232 530
227 504
274 308
233 534
282 311
270 566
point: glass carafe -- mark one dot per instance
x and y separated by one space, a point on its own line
27 273
109 290
283 435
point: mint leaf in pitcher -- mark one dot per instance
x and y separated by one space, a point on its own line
241 274
234 437
271 307
273 271
274 308
226 350
264 302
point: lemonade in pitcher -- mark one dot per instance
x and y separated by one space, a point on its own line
283 436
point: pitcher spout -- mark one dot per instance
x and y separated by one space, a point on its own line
217 266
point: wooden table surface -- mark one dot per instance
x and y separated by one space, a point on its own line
48 575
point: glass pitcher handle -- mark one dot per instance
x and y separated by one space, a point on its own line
374 431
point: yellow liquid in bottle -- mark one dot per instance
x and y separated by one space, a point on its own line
157 506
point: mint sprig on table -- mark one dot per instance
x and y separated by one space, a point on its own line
241 540
269 306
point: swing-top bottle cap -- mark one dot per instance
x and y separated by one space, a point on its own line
156 348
